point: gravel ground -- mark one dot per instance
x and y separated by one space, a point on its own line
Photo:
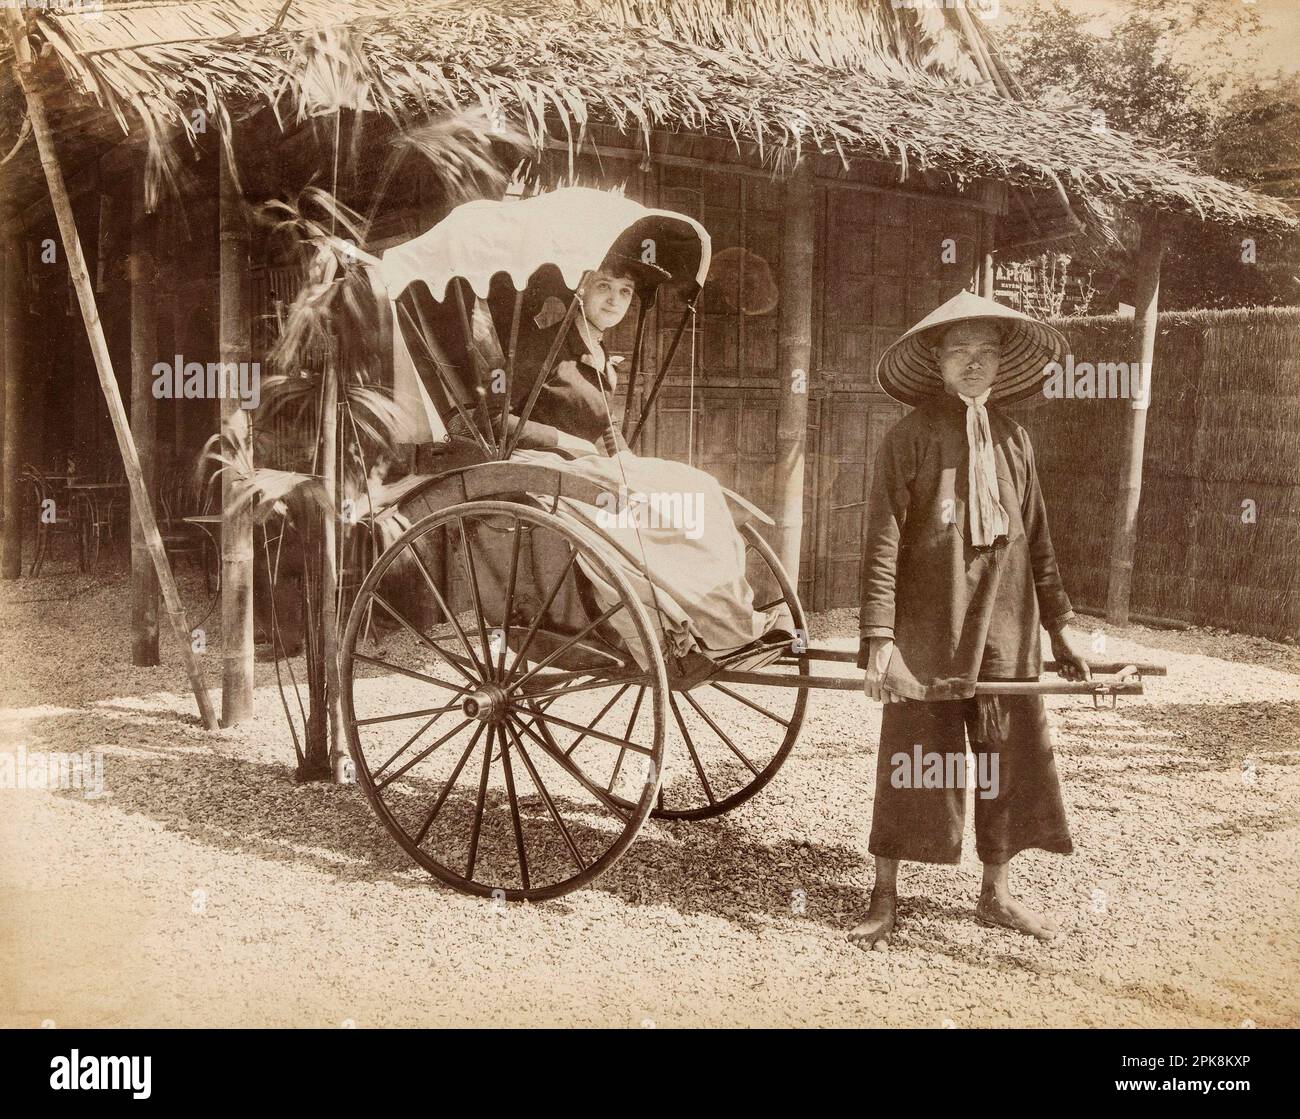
206 888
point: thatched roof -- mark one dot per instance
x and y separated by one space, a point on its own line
922 88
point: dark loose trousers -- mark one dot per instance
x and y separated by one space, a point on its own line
925 825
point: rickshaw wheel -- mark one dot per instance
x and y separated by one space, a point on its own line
766 714
499 652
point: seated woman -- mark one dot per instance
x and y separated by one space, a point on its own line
572 411
669 519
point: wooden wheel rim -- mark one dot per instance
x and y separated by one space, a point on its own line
705 809
593 551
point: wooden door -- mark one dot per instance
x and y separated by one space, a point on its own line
885 261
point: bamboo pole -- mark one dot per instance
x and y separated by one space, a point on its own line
331 478
237 550
798 239
144 414
103 362
1123 543
15 322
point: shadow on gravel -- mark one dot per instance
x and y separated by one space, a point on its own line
1183 737
1227 648
713 867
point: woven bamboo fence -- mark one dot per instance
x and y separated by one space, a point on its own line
1219 527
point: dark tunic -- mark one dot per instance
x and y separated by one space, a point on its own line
956 613
571 398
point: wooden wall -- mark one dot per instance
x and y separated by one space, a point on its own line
880 268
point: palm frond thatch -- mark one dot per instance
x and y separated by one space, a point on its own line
915 86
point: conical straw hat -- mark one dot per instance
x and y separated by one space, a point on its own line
908 372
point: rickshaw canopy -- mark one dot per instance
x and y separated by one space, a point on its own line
573 229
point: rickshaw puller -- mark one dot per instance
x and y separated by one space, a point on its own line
957 570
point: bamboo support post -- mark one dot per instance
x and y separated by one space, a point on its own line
15 316
236 527
1124 531
144 410
331 478
798 242
99 349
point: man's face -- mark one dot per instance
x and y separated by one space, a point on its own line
606 298
969 355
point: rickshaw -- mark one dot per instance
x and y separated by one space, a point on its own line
518 717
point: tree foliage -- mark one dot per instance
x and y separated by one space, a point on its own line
1168 70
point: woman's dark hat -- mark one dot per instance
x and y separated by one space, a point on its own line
646 275
909 373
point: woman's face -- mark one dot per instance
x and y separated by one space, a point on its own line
606 298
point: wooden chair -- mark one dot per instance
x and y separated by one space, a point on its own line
50 511
177 499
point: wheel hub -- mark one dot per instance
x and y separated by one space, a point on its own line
487 703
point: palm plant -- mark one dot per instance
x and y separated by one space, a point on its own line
324 419
326 416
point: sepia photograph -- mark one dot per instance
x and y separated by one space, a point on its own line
650 514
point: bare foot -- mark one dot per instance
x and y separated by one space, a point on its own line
1008 913
876 930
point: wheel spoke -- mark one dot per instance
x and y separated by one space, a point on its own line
762 609
514 805
594 722
510 589
690 746
379 663
420 635
477 829
722 734
750 703
447 613
622 753
604 617
474 595
546 798
371 720
407 743
608 661
451 781
422 755
572 770
546 717
595 685
537 621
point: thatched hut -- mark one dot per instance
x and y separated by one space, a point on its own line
874 157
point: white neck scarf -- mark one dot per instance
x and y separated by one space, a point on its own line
988 520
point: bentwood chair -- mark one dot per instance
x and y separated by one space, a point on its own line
50 511
177 500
